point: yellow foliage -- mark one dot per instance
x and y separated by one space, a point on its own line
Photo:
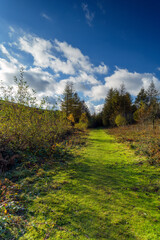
120 120
84 118
71 118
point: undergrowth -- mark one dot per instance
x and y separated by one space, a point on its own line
30 179
142 138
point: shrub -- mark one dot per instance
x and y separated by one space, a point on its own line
120 120
25 125
71 119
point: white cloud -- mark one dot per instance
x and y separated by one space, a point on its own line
50 54
41 50
7 71
44 15
98 92
60 57
40 80
98 108
8 55
82 83
101 69
11 31
88 15
38 48
73 55
94 108
78 60
133 81
91 106
54 63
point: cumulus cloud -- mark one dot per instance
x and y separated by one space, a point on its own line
36 77
82 83
47 54
77 59
39 80
94 108
88 15
98 92
53 63
133 81
101 69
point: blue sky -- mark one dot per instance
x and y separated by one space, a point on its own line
96 44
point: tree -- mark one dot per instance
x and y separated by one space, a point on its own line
110 107
152 93
67 103
141 97
125 102
71 103
84 119
153 96
85 109
96 120
141 114
117 102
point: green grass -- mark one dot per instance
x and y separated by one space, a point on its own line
101 191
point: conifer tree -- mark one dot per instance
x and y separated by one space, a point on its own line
152 93
141 97
153 96
116 103
71 103
67 102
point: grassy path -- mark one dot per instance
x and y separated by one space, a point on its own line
104 193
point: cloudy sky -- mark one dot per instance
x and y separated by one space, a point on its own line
95 44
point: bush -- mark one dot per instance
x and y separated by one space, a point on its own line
120 120
25 125
71 119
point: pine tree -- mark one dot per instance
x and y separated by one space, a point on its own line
67 102
116 102
152 93
141 97
77 107
153 96
110 107
71 103
141 114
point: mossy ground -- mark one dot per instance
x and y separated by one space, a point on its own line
101 191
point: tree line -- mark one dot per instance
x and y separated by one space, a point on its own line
119 108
